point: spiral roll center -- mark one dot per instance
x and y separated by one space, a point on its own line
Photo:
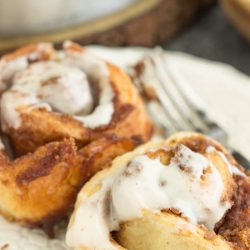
64 85
64 88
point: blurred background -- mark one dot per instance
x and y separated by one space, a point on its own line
217 30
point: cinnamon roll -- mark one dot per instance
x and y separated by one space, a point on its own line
70 93
178 194
64 116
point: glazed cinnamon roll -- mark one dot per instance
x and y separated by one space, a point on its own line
177 194
70 93
64 116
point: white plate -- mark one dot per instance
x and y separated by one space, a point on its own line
226 93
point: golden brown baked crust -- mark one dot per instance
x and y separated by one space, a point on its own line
161 232
168 229
235 227
56 154
40 188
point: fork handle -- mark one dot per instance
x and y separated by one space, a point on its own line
241 159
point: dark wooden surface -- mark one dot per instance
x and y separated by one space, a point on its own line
214 37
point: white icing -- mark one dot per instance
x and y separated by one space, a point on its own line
95 232
8 70
17 237
236 171
12 100
232 169
62 86
147 184
210 149
98 71
69 92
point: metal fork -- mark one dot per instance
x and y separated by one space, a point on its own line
174 106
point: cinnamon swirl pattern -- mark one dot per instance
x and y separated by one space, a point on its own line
174 194
64 116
